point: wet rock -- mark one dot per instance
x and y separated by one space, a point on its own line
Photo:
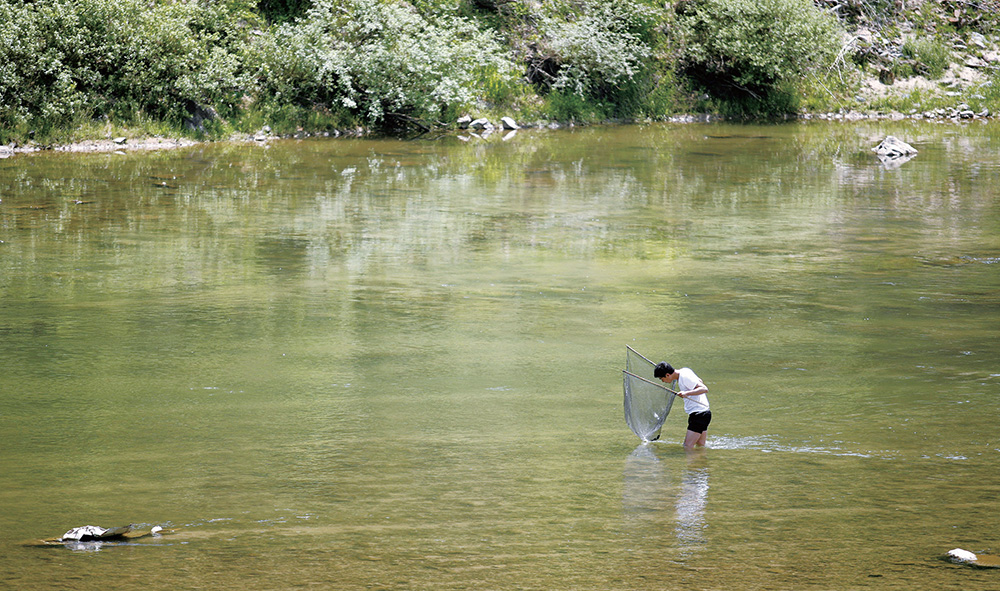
981 560
893 152
92 537
92 533
464 121
893 147
84 533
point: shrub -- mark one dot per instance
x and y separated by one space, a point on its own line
604 51
280 11
600 48
747 49
69 59
376 58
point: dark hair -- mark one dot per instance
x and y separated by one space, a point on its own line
662 369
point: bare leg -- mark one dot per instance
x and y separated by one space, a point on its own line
693 439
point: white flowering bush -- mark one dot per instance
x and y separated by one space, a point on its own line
375 58
604 46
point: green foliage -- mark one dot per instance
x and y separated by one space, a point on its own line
569 106
746 50
600 48
863 12
317 64
829 91
280 11
931 56
67 60
375 58
607 52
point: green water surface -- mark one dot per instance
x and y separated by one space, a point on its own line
386 364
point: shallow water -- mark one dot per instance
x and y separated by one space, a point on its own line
396 364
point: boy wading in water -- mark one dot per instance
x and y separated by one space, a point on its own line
693 391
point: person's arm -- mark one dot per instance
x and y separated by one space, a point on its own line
700 388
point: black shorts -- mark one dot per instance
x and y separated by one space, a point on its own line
698 421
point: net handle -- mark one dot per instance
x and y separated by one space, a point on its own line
659 385
651 362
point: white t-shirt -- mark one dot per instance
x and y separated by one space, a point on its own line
688 380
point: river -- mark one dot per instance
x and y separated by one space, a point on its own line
388 364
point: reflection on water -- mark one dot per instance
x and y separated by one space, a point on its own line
382 364
691 502
666 491
648 486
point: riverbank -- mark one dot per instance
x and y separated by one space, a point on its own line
961 113
135 75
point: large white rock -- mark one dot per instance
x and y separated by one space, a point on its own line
960 555
894 147
76 533
481 123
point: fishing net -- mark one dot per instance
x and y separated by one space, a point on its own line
647 403
637 364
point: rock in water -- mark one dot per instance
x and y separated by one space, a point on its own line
894 147
87 532
959 555
482 123
978 560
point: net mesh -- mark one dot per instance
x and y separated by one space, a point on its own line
637 364
647 403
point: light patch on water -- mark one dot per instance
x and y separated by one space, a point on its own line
769 443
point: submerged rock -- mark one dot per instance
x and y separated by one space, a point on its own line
91 537
980 560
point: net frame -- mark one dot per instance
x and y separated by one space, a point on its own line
646 403
636 361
